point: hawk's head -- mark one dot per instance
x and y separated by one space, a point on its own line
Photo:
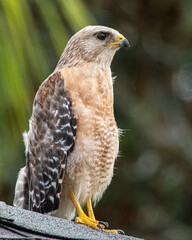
92 44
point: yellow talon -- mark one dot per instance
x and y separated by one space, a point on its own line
82 217
113 231
90 219
87 221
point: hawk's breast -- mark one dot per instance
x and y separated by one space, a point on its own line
96 147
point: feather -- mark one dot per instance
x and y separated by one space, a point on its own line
50 138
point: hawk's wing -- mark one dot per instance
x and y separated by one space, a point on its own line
49 140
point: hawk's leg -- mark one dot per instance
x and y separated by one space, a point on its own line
90 209
82 217
89 221
92 215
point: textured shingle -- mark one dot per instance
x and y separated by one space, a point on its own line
22 224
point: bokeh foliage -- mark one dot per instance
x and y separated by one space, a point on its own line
150 195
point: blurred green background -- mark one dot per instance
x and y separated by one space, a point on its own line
151 194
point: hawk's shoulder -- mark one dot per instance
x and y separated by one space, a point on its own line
48 87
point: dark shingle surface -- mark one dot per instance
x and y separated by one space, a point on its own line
22 224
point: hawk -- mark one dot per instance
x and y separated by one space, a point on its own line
72 142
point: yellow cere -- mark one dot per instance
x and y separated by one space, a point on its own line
120 37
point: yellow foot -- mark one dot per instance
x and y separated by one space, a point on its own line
84 219
98 225
90 219
115 231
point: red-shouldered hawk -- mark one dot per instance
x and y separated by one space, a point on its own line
72 142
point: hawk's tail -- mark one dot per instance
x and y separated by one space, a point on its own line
21 199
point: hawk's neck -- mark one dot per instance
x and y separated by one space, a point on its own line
89 83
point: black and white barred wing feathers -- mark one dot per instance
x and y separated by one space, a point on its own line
49 140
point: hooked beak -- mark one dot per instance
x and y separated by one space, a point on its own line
123 42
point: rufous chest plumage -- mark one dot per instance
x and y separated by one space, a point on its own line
90 89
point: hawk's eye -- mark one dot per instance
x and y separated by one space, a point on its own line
101 36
